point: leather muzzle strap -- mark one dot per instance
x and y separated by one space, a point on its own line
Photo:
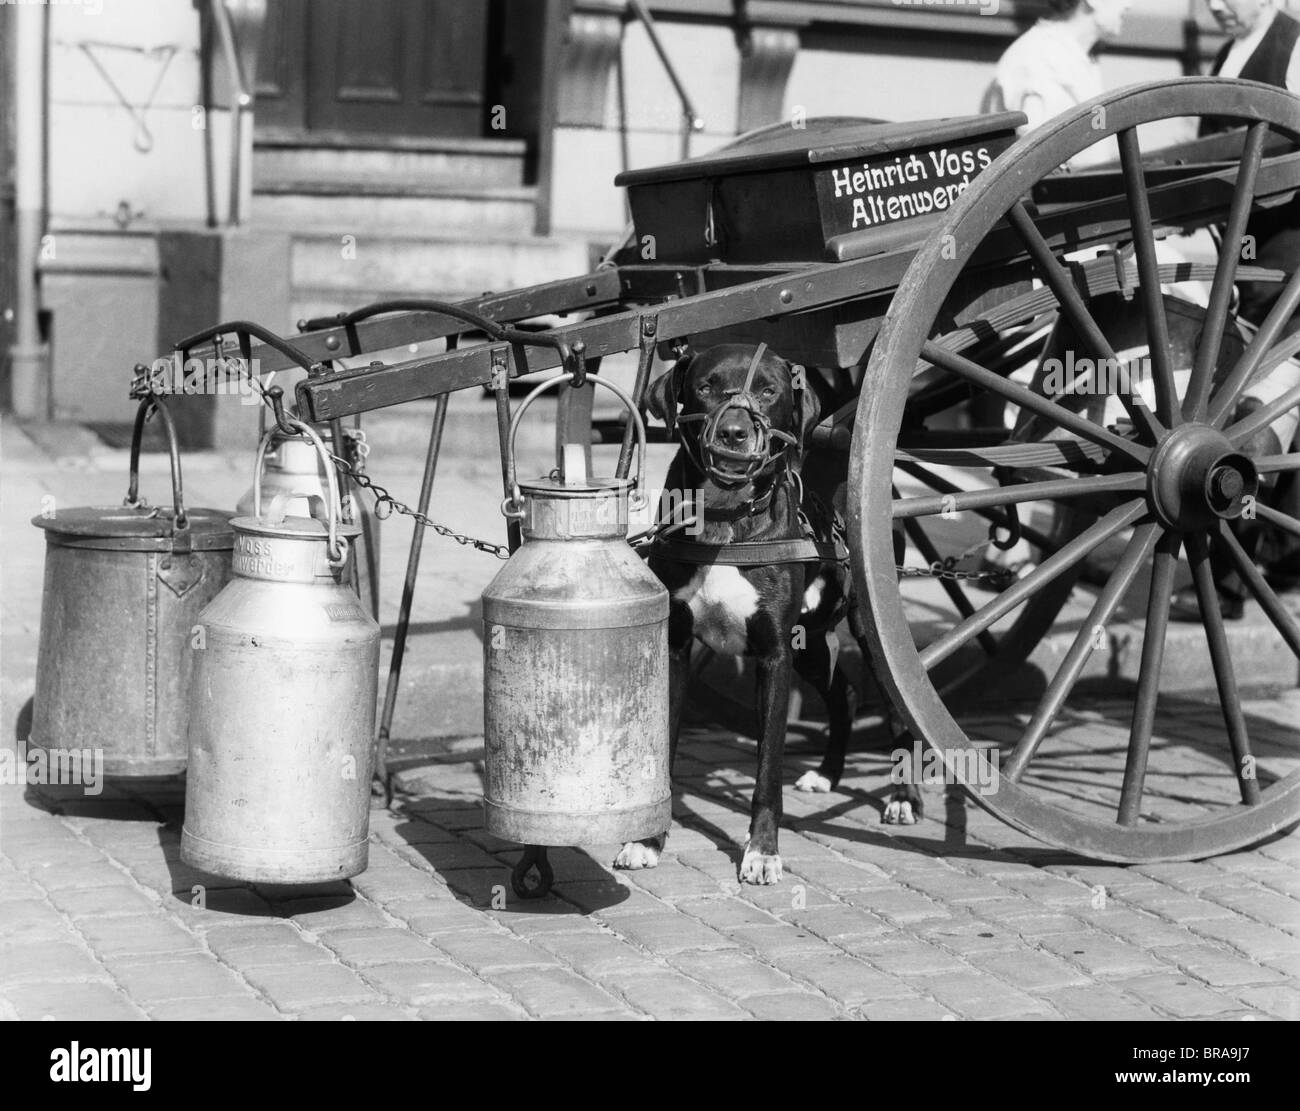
752 553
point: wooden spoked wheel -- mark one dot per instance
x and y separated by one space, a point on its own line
1163 479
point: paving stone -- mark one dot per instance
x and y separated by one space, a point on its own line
1037 925
102 902
290 990
845 979
955 887
1256 941
1264 906
1029 971
378 946
193 976
140 934
838 875
611 899
428 982
1179 996
727 914
787 898
971 995
594 954
768 941
211 906
1099 955
911 1008
553 991
321 915
1218 967
1279 1000
903 955
1101 1003
98 1001
225 1008
899 906
429 917
967 934
835 921
32 919
793 1006
733 974
1176 906
59 877
673 881
672 996
25 962
403 882
352 1012
670 933
472 1012
486 950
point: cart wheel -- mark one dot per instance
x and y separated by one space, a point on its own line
1155 484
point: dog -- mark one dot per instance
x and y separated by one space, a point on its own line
743 414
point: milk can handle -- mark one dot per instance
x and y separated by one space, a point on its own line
337 551
132 498
513 505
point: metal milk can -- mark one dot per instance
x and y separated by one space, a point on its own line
123 590
575 647
282 708
294 467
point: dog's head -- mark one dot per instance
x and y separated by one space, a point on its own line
742 409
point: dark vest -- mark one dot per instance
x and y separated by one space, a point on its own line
1268 64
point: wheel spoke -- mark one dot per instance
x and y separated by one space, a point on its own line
1270 464
1225 274
1040 540
1163 568
1086 328
1275 517
1283 620
1051 568
1139 547
1016 494
1262 417
1224 399
1036 403
951 587
1221 658
1153 301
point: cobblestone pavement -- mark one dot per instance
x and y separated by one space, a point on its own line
957 917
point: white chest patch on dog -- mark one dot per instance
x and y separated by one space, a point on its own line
721 601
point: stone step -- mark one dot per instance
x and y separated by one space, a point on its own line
348 269
469 164
443 210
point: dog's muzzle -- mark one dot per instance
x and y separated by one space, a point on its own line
759 449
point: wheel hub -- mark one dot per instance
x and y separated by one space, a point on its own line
1197 477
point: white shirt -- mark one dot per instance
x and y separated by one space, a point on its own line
1241 50
1045 72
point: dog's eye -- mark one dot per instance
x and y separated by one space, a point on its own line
768 391
702 388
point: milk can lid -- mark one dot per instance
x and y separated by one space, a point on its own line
134 528
292 527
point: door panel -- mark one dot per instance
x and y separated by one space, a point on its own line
410 67
281 86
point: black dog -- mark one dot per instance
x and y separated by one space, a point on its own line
743 413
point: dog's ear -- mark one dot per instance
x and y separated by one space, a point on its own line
807 408
664 394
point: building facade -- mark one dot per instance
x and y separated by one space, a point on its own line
173 163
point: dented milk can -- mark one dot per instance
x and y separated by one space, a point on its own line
575 643
282 707
124 586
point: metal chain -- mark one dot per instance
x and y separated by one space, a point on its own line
385 503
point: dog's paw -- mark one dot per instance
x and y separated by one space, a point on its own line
638 854
760 868
900 812
815 782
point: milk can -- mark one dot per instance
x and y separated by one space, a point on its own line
294 467
123 589
282 707
575 645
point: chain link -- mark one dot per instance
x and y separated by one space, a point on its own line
385 503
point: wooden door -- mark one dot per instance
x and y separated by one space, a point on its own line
398 67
